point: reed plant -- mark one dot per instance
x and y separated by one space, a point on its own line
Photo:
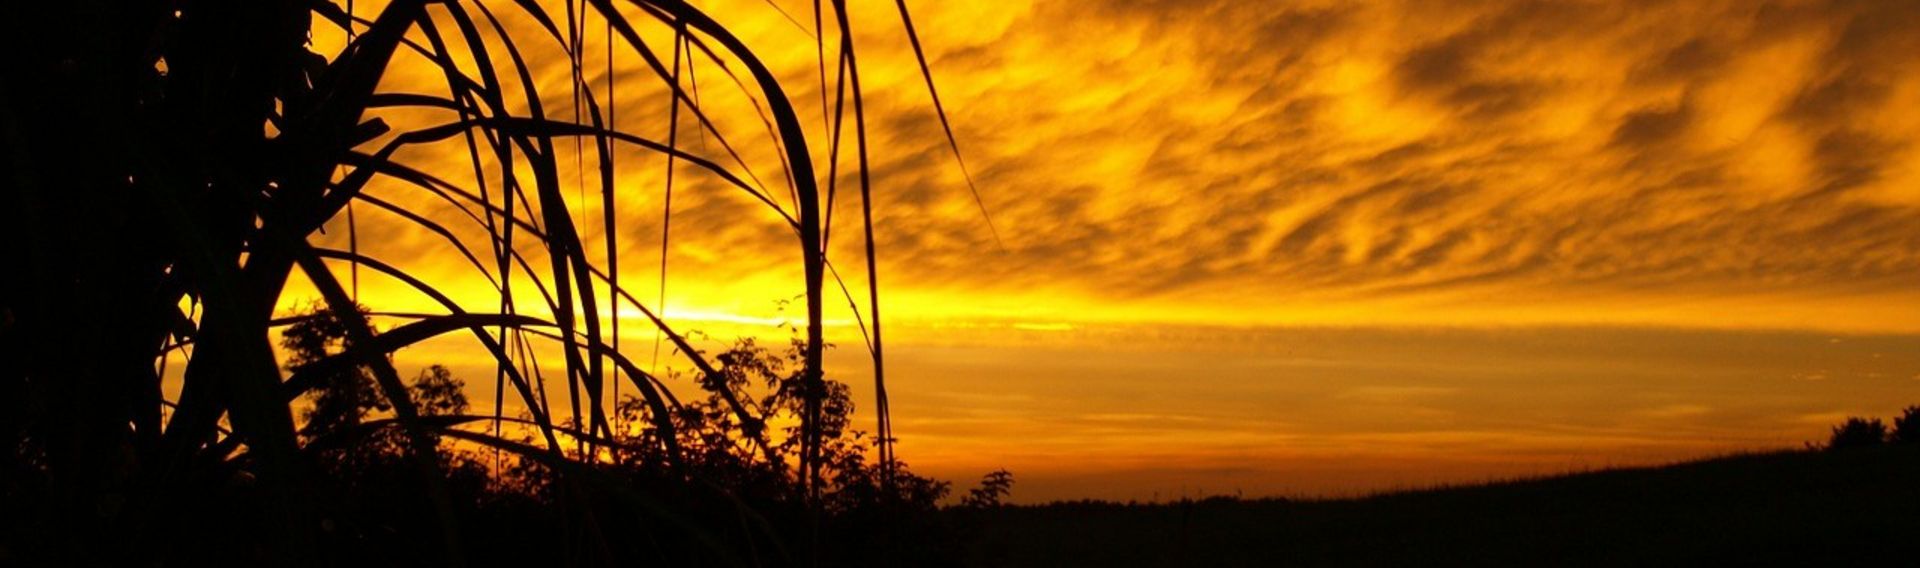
170 166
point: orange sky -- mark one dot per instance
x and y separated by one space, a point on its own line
1307 247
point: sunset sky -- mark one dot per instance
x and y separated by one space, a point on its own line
1300 248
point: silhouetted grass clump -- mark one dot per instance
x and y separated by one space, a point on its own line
169 168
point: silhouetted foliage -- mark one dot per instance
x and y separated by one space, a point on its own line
1858 432
993 488
342 398
859 505
719 476
373 503
1906 427
169 169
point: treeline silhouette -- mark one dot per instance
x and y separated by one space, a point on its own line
719 497
1859 432
1847 502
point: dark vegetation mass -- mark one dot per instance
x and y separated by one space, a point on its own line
506 500
1788 508
1866 432
1849 502
169 166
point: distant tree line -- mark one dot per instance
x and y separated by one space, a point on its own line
507 497
1859 432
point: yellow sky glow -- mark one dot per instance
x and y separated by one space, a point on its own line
1188 191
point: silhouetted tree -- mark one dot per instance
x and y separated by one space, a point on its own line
993 488
346 397
1858 432
859 506
1906 427
373 500
438 392
341 399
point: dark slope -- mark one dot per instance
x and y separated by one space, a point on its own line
1826 508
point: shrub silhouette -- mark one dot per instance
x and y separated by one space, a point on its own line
1906 427
1858 432
864 519
993 487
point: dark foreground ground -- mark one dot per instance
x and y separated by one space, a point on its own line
1855 507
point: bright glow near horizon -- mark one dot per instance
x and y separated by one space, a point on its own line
1305 247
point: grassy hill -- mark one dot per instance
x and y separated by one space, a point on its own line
1796 507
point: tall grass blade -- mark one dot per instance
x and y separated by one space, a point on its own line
920 55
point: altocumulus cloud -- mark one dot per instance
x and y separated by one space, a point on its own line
1674 163
1463 157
